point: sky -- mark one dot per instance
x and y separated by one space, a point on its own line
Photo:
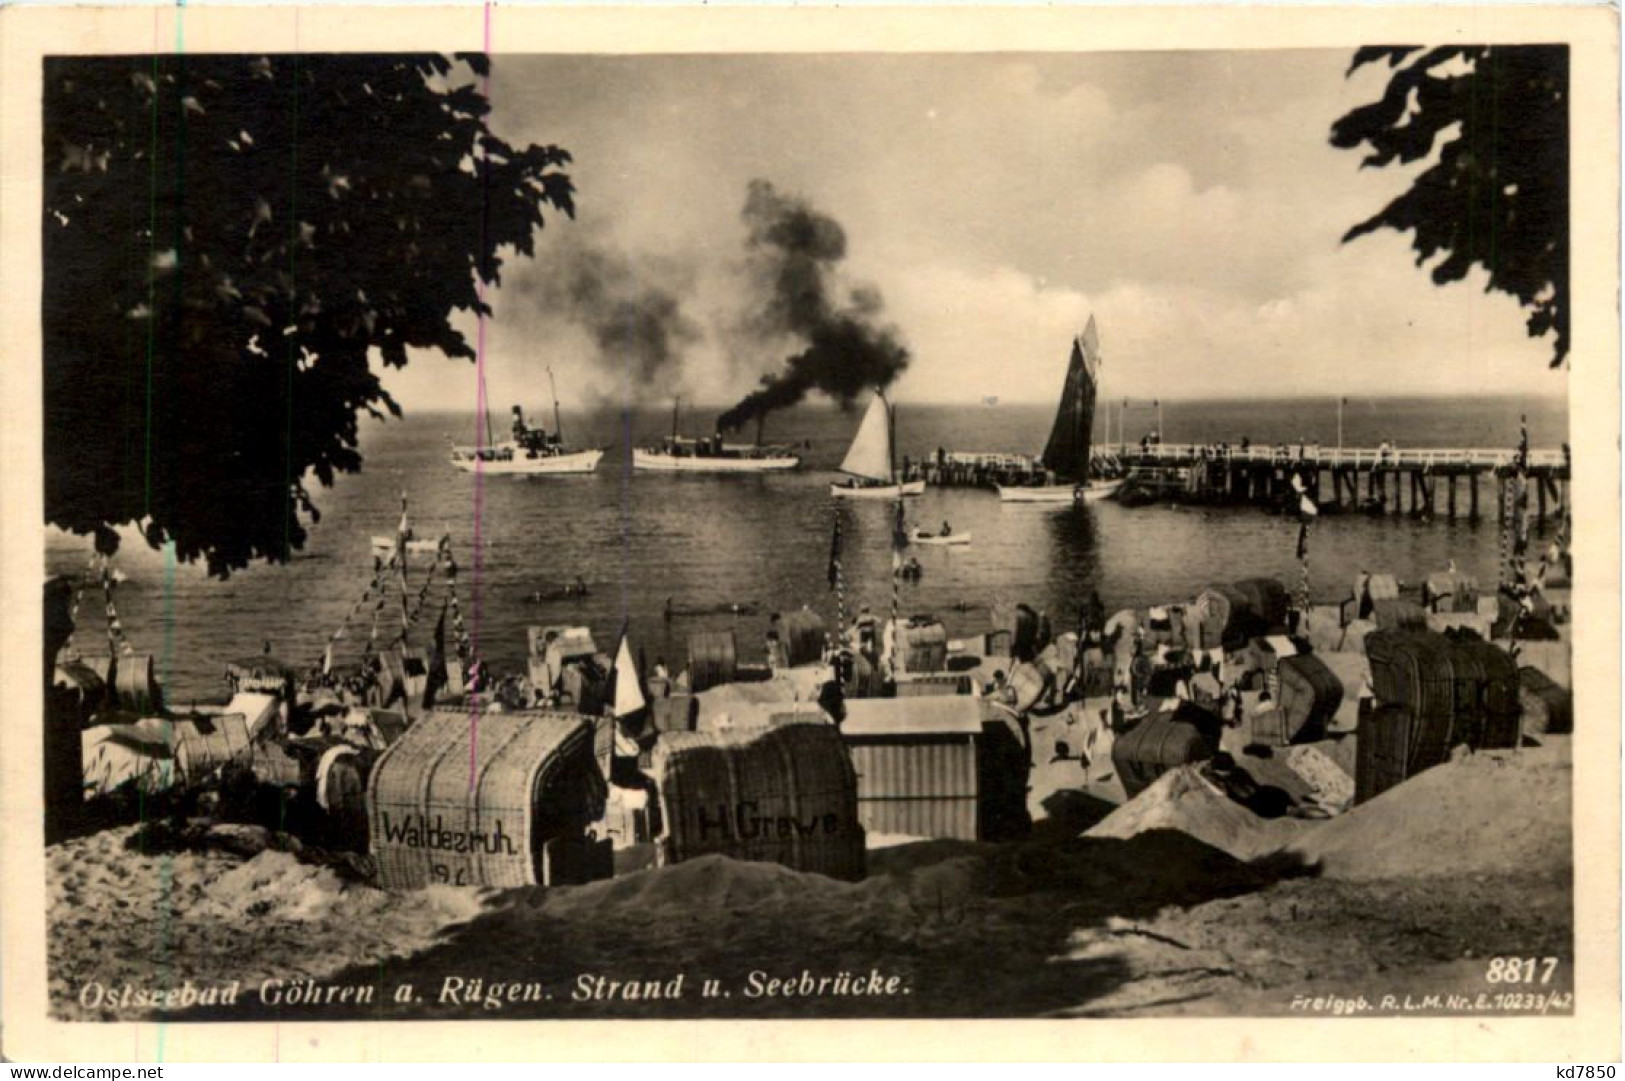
1190 201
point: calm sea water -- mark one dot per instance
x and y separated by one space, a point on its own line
709 543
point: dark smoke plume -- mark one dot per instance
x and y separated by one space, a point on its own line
636 322
794 253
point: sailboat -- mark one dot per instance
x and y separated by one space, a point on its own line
869 460
531 451
678 455
1067 452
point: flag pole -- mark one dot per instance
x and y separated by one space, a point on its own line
558 423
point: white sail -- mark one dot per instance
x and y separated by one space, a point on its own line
628 695
1090 341
870 454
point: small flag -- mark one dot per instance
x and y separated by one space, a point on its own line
835 554
628 694
899 539
1306 506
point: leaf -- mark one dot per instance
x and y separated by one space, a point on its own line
1496 196
265 338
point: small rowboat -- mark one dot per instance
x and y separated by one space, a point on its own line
920 536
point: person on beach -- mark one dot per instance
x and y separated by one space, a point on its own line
1000 690
1139 668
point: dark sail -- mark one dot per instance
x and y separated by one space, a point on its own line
1067 452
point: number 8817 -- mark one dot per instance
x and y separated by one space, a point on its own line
1517 970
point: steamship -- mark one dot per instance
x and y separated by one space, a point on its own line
675 454
531 451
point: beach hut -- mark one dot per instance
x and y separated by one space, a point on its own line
1226 616
135 684
936 767
1169 738
1396 743
803 636
498 799
261 674
786 794
747 705
1310 696
713 659
83 688
139 757
1267 598
205 745
917 645
1396 614
1450 591
1545 707
934 683
551 648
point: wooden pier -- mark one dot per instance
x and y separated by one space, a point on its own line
1424 482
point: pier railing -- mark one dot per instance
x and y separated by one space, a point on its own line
1345 457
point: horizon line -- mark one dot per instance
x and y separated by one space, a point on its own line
829 404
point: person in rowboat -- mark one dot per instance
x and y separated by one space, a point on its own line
947 530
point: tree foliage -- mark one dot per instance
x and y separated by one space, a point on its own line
1498 194
233 247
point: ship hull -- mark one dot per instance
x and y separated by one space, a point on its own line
950 540
880 491
1059 493
581 461
669 463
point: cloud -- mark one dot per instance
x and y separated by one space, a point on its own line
1190 200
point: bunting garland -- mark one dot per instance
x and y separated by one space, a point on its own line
324 664
403 534
109 578
899 538
1515 531
472 668
422 598
377 612
1307 512
837 580
1517 509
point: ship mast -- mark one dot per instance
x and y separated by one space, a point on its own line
891 436
676 402
484 402
558 424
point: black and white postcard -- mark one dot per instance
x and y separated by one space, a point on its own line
1016 520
